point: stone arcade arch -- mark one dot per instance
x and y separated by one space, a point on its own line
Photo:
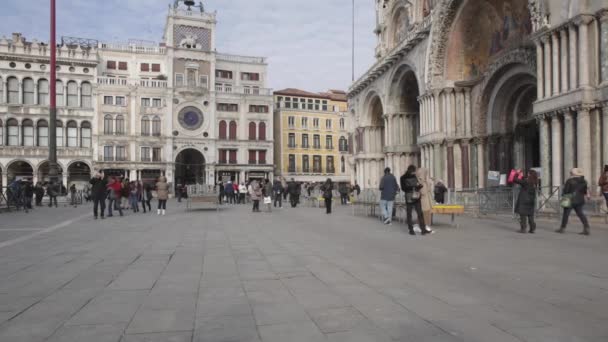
43 171
370 141
190 167
79 172
19 169
510 125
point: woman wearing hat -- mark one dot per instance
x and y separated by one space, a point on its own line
575 190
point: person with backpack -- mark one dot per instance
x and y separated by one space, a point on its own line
277 190
294 190
328 189
98 191
573 198
411 186
526 200
388 190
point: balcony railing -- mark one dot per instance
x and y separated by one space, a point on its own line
242 90
240 59
253 162
125 82
159 50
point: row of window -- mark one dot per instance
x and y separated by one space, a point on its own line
115 125
191 79
29 92
301 103
317 166
245 76
121 101
28 134
145 67
119 153
291 121
316 142
229 156
233 107
256 132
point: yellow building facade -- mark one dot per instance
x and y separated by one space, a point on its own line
311 135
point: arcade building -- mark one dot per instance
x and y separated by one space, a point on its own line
138 109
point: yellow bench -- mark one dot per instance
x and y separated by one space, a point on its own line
449 210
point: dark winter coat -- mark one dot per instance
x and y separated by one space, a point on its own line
577 187
388 187
328 189
440 190
98 188
293 188
526 200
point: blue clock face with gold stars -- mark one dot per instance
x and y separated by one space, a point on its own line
190 118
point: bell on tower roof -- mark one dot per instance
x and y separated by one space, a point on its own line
190 4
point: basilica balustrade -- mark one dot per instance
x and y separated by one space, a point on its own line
130 82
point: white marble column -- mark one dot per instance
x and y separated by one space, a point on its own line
573 57
467 112
583 144
555 62
20 92
569 142
564 60
583 48
437 113
457 165
459 122
453 109
449 124
540 70
596 145
605 133
547 65
556 150
545 150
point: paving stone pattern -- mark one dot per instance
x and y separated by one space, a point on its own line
296 275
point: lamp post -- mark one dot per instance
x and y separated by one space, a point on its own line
53 103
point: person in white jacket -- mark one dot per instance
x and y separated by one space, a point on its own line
242 193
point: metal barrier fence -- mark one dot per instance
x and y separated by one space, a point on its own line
10 201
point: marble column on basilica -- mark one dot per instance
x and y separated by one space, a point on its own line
547 65
467 112
450 167
583 144
555 62
596 146
540 70
583 48
545 150
564 59
569 142
605 132
556 150
481 162
457 155
464 145
573 57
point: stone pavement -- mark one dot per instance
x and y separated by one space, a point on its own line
295 275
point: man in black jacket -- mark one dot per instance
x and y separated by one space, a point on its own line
98 193
294 189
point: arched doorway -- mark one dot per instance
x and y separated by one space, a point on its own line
405 93
19 170
190 167
513 131
79 172
44 169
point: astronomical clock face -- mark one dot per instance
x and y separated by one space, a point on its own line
190 118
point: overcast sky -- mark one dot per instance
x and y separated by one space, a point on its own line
308 42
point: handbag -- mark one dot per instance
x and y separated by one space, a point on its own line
566 201
267 200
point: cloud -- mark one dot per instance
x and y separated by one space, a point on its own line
307 42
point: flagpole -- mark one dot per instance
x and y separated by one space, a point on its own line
353 44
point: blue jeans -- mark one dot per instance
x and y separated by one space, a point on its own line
387 209
134 203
